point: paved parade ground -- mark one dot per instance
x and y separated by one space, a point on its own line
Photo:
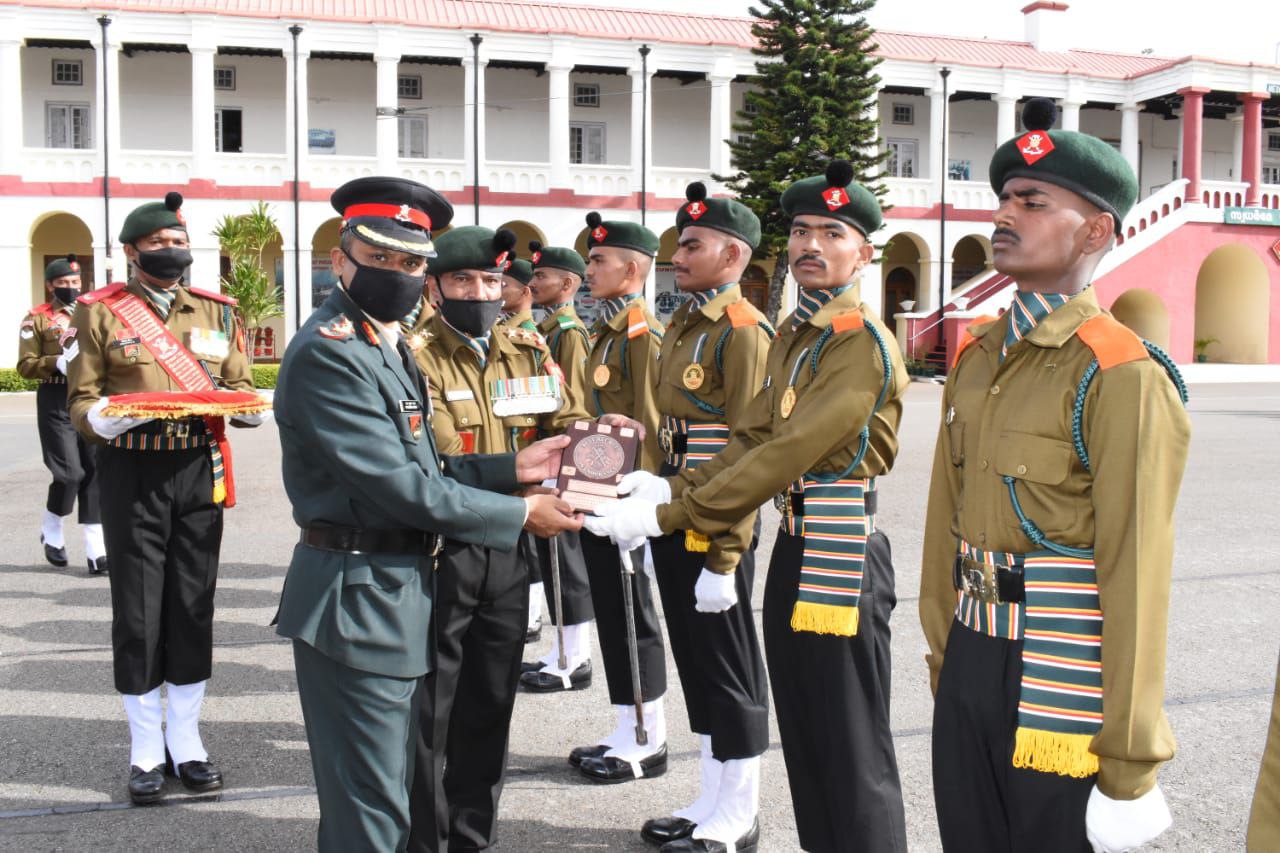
64 743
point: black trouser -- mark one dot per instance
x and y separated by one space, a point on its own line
481 607
832 698
575 589
717 654
163 532
69 458
983 801
604 569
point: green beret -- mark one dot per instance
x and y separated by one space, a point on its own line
835 196
553 257
62 266
723 214
151 217
1075 161
473 247
621 235
521 270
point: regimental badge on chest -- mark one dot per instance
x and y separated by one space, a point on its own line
127 342
208 343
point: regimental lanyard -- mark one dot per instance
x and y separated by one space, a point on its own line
525 395
788 404
694 375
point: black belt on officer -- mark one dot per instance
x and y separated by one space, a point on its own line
351 540
1007 583
172 428
870 501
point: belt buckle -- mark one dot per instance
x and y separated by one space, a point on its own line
664 440
177 429
980 582
437 544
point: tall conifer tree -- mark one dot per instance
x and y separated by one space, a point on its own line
812 92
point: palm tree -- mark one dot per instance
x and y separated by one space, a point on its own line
244 239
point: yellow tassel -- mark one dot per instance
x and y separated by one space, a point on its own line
1054 752
219 492
696 543
824 619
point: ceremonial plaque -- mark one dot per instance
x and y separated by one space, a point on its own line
598 456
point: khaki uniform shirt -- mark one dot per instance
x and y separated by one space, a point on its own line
108 364
1015 419
730 389
570 344
622 370
1264 817
462 408
39 340
769 451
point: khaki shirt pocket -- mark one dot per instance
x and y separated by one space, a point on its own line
465 413
128 356
1040 467
614 381
955 434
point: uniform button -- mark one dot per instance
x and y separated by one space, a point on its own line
1022 469
679 343
528 420
984 464
995 389
982 537
466 420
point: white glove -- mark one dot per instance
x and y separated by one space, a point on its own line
627 522
68 355
1120 826
110 427
642 484
714 593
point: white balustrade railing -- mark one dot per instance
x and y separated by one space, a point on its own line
602 180
512 177
61 165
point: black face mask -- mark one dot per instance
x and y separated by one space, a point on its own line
472 317
385 295
66 295
166 264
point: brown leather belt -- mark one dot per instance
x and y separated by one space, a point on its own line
351 540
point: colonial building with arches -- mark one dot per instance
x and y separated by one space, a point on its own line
529 116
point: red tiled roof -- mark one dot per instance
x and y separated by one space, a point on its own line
543 17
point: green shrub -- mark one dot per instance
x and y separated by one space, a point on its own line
11 381
264 375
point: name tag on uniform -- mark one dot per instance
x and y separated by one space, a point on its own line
457 394
407 406
127 343
526 395
208 343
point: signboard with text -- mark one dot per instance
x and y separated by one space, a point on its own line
1250 216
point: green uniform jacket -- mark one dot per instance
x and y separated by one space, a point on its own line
358 452
1014 418
769 451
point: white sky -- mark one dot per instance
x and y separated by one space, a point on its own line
1242 30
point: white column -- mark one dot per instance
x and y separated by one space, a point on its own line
110 133
937 106
558 95
873 116
15 257
206 260
640 120
718 157
1237 145
1070 115
304 121
1129 133
11 104
202 113
387 96
1006 118
296 312
472 115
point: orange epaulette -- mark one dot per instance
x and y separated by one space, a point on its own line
1112 342
848 321
637 325
214 295
102 293
967 338
741 314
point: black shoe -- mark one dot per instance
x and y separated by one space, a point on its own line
199 776
581 753
531 666
661 830
146 786
542 681
609 769
55 556
99 566
746 844
532 635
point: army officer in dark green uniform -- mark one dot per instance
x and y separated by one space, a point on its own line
374 499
